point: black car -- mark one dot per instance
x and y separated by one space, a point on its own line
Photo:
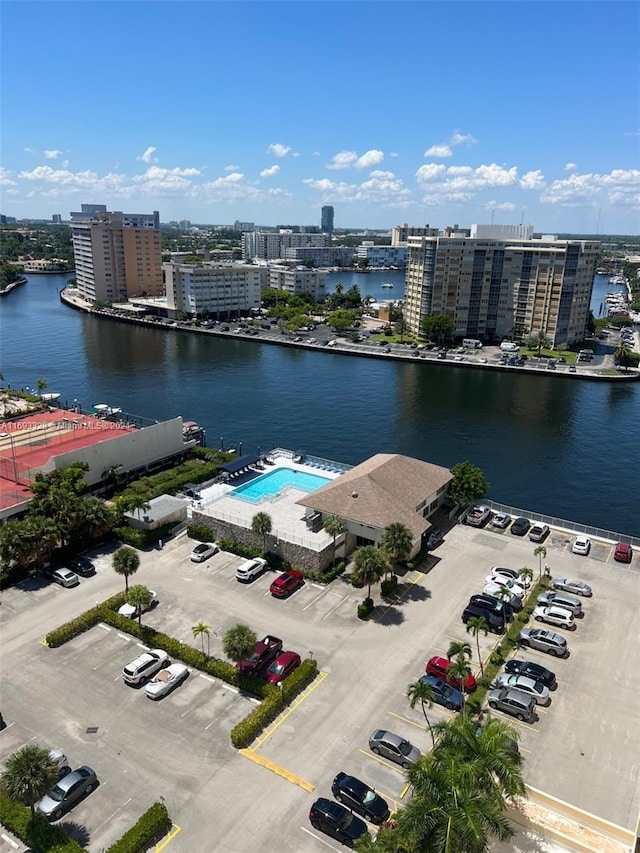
360 798
497 624
520 526
493 605
82 566
336 821
532 670
434 538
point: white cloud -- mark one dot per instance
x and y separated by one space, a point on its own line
148 157
444 149
159 180
382 188
52 153
270 172
461 183
619 187
279 150
393 154
5 180
569 167
351 160
532 180
232 168
462 139
438 151
30 150
499 205
429 171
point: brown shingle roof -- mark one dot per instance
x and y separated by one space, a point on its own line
388 489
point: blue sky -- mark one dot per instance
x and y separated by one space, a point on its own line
439 113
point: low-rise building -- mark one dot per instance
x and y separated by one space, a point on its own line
382 256
297 279
322 256
220 289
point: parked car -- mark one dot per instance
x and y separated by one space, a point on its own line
145 666
513 702
500 572
573 585
203 551
501 521
439 667
502 593
444 694
82 566
525 684
67 792
393 747
264 652
516 587
520 526
131 612
64 576
494 605
434 538
533 670
360 798
282 666
582 545
561 599
497 625
478 516
286 583
336 821
544 641
539 532
623 552
166 680
60 760
554 615
250 569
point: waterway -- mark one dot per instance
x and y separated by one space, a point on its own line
569 448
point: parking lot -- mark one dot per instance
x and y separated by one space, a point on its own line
582 748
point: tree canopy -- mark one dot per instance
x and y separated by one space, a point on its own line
468 484
438 326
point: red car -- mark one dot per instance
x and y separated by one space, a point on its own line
440 666
264 652
286 583
623 552
282 666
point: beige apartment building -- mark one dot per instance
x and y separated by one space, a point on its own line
222 290
505 288
117 255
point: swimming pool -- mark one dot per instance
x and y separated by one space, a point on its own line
277 481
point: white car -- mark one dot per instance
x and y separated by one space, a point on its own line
501 521
508 584
166 680
525 684
203 551
498 572
65 577
131 612
503 594
145 666
555 615
581 546
250 569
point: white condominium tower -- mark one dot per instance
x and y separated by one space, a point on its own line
501 287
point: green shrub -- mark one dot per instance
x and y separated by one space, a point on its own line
277 562
365 608
239 548
63 633
327 576
199 532
37 833
142 538
151 826
388 586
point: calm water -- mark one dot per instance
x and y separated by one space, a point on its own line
557 446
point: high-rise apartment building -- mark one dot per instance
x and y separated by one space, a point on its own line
505 288
401 233
326 221
272 245
223 290
117 255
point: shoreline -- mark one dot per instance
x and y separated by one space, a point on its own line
13 284
346 348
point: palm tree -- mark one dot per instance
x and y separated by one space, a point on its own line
239 642
139 597
137 503
397 541
621 355
457 648
475 625
541 553
200 630
458 672
261 526
539 340
370 566
29 774
96 517
126 562
526 574
334 526
422 692
41 385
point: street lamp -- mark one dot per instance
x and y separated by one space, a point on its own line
13 454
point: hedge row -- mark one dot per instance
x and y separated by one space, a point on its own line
239 548
142 539
63 633
329 575
36 832
152 825
248 729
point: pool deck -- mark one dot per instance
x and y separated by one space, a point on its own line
287 518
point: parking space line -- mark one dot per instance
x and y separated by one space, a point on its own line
317 598
278 770
403 793
43 642
104 627
207 678
381 761
124 637
321 840
114 814
26 743
142 646
300 698
9 840
226 686
175 829
418 577
335 606
407 720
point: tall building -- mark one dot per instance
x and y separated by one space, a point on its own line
505 288
238 225
57 219
381 256
223 290
326 221
117 255
401 233
272 245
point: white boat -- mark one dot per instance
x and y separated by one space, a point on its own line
387 284
104 411
49 398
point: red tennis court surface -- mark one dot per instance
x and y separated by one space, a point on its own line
27 444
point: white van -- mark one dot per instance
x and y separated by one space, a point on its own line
471 343
509 346
250 570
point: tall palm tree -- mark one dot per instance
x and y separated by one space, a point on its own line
29 774
261 526
526 574
334 526
200 630
422 692
16 546
541 553
138 504
397 541
96 517
239 642
139 597
41 384
126 562
476 625
370 566
457 648
458 673
621 354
